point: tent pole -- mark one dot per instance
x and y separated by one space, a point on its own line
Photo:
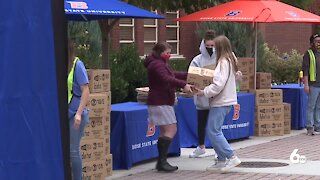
255 55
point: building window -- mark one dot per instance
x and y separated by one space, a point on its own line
172 27
150 34
126 31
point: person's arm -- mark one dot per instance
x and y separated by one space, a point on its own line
220 78
181 75
162 73
83 103
305 69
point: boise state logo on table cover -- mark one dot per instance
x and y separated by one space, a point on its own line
151 129
236 112
233 13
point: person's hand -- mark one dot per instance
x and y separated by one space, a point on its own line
238 75
200 92
306 89
187 88
77 121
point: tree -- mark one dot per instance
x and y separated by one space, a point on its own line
188 6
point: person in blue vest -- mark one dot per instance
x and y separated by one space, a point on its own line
78 96
311 71
206 59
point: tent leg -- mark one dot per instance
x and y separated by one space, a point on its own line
255 55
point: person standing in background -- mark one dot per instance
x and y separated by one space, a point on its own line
206 59
311 79
78 96
163 82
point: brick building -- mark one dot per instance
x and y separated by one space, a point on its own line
182 35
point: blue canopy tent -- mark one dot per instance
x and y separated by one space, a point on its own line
33 91
86 10
30 111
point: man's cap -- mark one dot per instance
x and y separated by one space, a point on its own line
312 37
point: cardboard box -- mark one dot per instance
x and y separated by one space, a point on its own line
263 80
269 97
287 126
92 149
200 77
98 127
109 165
95 170
106 140
269 113
247 67
99 104
287 111
269 128
99 80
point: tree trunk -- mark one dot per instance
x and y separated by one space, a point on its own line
105 29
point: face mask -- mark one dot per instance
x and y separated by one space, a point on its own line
166 57
210 51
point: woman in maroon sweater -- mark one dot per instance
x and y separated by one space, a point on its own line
163 82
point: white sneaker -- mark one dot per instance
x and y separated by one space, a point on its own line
197 152
217 165
231 163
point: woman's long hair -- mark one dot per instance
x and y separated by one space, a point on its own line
224 50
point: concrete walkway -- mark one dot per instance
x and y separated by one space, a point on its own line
262 149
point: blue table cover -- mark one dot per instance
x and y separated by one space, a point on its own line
295 95
129 141
232 129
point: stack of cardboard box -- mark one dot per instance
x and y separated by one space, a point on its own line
287 118
269 116
247 67
95 145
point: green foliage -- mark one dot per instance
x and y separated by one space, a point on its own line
87 37
302 4
284 67
188 6
241 35
127 73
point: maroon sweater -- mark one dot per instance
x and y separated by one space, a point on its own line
163 81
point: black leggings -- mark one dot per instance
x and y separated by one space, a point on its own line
202 123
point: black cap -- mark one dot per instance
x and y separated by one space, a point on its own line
312 37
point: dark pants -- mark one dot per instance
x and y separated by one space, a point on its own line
202 123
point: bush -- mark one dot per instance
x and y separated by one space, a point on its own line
128 73
285 67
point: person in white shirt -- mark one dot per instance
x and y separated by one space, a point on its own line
223 95
206 59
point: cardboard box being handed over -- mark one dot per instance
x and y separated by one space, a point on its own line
200 77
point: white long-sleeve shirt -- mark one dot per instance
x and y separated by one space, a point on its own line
222 91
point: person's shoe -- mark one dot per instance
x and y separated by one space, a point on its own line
165 166
197 152
310 131
216 166
316 131
231 163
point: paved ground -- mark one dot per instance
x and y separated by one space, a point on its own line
267 149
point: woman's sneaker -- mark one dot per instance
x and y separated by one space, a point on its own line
231 163
217 165
197 152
